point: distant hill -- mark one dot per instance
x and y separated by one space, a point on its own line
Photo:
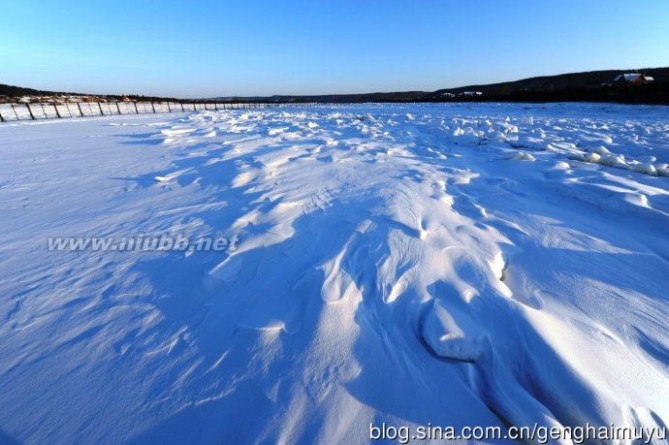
593 86
591 79
596 86
14 91
405 96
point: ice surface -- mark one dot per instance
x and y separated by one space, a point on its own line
385 264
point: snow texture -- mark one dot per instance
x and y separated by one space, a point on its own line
459 264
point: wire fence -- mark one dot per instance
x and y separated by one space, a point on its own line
10 112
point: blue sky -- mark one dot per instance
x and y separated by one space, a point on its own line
214 48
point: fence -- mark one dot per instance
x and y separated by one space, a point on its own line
34 111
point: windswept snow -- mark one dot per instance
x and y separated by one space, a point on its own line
445 264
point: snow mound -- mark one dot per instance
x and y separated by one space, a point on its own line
453 334
522 156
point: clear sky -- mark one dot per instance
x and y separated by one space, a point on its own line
211 48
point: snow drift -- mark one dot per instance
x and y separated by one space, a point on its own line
443 264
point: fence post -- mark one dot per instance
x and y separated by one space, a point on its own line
80 110
136 109
2 119
57 112
32 116
102 113
153 108
182 106
15 113
118 108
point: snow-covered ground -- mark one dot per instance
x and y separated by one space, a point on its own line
409 264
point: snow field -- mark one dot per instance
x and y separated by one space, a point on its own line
447 264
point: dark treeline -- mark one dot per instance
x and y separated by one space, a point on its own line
594 86
652 94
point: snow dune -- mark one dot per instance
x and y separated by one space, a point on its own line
446 264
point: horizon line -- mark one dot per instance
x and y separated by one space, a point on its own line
342 94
